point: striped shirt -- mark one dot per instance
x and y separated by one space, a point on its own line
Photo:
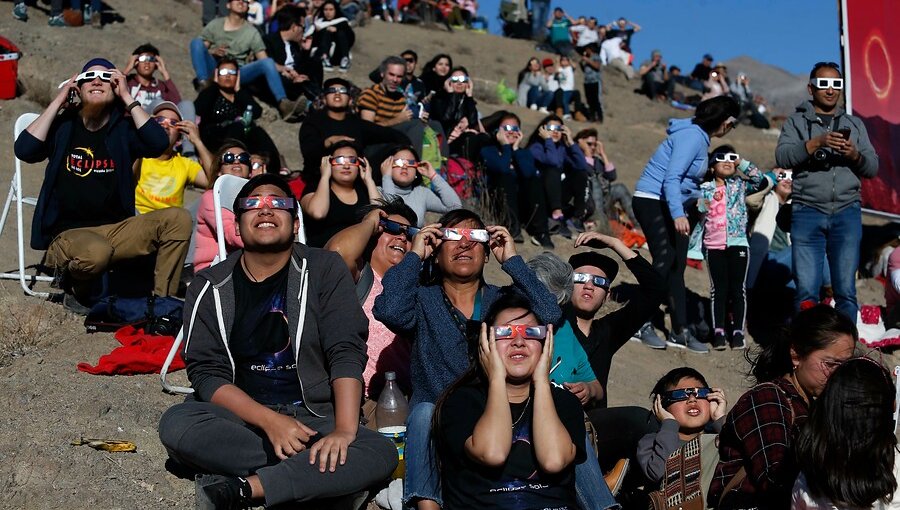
385 105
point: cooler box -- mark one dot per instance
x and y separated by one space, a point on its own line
9 68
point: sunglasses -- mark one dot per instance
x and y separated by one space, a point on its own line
682 394
257 166
227 72
722 157
510 331
827 83
511 127
229 158
598 281
554 127
165 121
396 228
346 160
89 76
477 235
459 79
405 162
273 202
146 58
336 90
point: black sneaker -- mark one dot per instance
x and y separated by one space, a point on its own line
719 343
544 241
564 230
738 342
685 340
217 492
518 238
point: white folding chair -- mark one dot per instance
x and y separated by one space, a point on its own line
16 193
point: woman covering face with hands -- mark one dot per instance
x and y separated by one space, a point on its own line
402 176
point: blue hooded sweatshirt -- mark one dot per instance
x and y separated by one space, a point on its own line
677 167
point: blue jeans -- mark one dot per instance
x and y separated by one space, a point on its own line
590 487
817 236
204 65
539 97
540 11
422 479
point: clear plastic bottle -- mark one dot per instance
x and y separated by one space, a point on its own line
247 118
390 416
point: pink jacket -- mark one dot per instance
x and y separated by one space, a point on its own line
206 246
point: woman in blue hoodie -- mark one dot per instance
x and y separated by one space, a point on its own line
666 192
556 154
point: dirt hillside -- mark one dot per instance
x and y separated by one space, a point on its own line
45 403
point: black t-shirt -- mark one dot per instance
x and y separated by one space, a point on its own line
339 217
86 189
519 484
701 72
264 361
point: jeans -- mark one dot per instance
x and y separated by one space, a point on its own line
201 60
540 11
590 487
538 97
422 479
817 236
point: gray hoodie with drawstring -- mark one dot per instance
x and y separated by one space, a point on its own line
833 185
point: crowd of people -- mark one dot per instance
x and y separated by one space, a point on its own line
288 345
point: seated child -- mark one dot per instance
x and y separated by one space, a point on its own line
685 405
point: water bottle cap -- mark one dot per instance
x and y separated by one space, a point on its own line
390 376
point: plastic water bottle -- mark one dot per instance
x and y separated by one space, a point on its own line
390 415
247 118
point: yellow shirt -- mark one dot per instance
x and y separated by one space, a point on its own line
162 183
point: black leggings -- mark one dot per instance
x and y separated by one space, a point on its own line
520 202
669 251
592 96
727 286
575 194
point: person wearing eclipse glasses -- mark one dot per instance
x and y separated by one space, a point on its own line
457 111
830 153
275 353
432 296
85 213
402 174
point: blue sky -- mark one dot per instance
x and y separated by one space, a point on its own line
792 34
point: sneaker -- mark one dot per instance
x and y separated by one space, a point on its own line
543 240
57 21
533 107
544 110
286 108
326 65
738 342
518 238
647 336
567 117
576 225
345 64
685 340
87 14
217 492
564 230
720 343
20 11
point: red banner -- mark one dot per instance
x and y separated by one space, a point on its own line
872 59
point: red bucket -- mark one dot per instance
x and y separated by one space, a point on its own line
9 68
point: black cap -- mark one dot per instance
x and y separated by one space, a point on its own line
330 82
591 258
262 180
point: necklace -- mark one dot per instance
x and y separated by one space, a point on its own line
247 269
524 410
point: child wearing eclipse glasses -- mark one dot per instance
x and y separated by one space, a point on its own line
686 407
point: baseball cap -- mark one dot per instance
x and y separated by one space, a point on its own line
167 105
98 61
262 180
707 57
547 62
591 258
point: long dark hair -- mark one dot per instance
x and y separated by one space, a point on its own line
813 329
847 447
527 69
429 66
536 134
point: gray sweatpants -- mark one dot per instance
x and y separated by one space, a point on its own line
211 439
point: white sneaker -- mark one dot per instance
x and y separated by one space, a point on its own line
533 107
345 64
567 117
543 109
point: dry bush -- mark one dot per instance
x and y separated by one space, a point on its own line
28 323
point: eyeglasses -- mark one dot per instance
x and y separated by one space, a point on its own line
722 157
396 228
257 166
511 127
682 394
346 160
89 76
147 58
830 365
227 72
510 331
598 281
230 158
459 79
336 90
477 235
554 127
827 83
165 121
404 163
273 202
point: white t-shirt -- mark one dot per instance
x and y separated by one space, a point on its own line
585 35
566 78
611 50
801 499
